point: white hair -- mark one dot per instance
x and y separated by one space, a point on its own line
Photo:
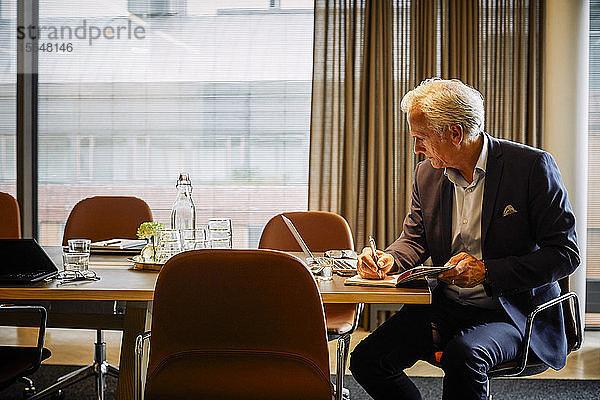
447 102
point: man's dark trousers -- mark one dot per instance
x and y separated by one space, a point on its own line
473 340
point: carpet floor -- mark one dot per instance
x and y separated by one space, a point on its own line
431 388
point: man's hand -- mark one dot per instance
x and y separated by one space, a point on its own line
367 268
469 271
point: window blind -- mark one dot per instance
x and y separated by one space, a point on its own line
149 89
593 229
8 96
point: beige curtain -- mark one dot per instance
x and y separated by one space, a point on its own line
497 47
355 133
368 54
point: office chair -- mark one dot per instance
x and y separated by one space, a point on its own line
236 324
18 362
10 217
322 231
106 217
100 218
526 363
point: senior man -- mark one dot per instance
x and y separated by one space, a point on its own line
499 212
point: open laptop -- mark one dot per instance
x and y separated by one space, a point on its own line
24 261
342 267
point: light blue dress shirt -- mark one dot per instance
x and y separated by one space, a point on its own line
466 228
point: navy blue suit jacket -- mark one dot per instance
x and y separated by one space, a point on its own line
525 252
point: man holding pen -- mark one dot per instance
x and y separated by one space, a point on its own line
496 210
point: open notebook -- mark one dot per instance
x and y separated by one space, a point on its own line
340 266
404 279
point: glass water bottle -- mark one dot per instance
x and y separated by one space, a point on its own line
183 213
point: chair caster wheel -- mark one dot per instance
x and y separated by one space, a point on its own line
28 391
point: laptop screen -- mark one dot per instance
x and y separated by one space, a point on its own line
299 240
24 255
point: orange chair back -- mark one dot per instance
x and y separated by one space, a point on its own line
237 324
10 217
320 230
106 217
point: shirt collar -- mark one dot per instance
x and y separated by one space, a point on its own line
455 177
483 156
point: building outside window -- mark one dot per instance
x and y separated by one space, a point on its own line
131 93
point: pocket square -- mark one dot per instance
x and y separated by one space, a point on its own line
508 210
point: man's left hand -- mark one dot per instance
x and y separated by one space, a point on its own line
469 271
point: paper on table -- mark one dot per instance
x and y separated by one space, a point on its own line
118 244
398 280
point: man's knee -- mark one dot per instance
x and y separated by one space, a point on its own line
361 359
464 358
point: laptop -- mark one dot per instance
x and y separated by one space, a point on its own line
24 261
340 266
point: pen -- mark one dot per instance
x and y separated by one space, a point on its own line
374 251
373 248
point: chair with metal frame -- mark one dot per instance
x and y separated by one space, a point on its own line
236 324
527 364
18 362
10 217
100 218
321 231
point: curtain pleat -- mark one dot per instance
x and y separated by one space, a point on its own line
368 54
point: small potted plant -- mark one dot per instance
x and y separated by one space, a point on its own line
149 231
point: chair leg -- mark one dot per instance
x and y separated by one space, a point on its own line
70 375
99 369
112 370
66 381
100 381
342 356
489 395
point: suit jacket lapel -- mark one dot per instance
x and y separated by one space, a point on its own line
493 175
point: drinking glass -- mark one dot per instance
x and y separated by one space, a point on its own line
220 239
79 245
169 243
168 235
194 239
77 262
168 249
219 224
220 233
326 273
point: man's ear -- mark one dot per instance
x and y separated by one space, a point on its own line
456 133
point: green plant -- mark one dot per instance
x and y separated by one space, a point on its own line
149 231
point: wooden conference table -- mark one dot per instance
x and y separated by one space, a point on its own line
120 282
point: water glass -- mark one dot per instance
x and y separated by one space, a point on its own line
169 244
79 245
219 224
326 273
220 239
220 233
168 235
77 262
168 249
194 239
